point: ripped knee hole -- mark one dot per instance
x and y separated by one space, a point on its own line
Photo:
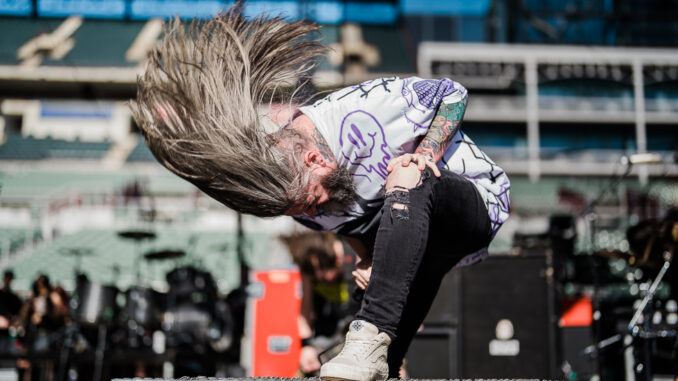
399 195
399 199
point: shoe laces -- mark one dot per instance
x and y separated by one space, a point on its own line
359 346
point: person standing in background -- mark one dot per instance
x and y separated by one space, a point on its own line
10 306
326 268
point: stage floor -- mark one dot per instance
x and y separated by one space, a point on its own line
312 379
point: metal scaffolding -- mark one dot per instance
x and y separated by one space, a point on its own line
497 66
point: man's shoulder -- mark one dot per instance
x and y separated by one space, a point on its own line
364 91
378 88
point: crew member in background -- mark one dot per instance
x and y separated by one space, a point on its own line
326 267
44 313
10 303
10 306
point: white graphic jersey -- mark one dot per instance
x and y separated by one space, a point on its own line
369 124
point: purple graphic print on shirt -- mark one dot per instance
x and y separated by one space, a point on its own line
504 206
363 144
408 95
429 92
415 125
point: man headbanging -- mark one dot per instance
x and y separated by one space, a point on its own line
382 163
199 107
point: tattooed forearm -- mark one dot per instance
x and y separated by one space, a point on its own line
322 146
444 127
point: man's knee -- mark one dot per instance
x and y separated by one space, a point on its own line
403 178
398 184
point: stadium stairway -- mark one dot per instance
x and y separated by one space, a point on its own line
119 152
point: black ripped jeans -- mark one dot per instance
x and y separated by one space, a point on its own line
433 227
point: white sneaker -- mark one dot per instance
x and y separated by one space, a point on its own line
363 357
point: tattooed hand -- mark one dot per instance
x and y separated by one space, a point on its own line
421 160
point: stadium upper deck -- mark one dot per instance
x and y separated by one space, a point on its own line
93 50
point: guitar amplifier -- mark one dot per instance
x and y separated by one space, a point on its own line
434 354
508 318
445 310
500 321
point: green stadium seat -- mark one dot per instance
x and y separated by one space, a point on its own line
17 147
213 251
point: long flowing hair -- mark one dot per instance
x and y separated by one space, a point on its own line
199 107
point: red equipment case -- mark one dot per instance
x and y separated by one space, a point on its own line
271 328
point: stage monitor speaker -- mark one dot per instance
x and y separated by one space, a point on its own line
496 319
444 311
508 318
434 354
574 341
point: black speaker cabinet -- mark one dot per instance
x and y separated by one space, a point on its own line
434 354
574 340
446 306
495 319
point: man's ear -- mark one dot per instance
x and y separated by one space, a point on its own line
314 158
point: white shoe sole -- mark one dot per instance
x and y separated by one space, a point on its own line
341 372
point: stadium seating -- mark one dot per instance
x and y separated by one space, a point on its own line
16 31
17 147
11 239
104 42
140 153
116 260
38 184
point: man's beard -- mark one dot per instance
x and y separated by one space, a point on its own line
341 190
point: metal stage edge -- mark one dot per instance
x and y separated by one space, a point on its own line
313 379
